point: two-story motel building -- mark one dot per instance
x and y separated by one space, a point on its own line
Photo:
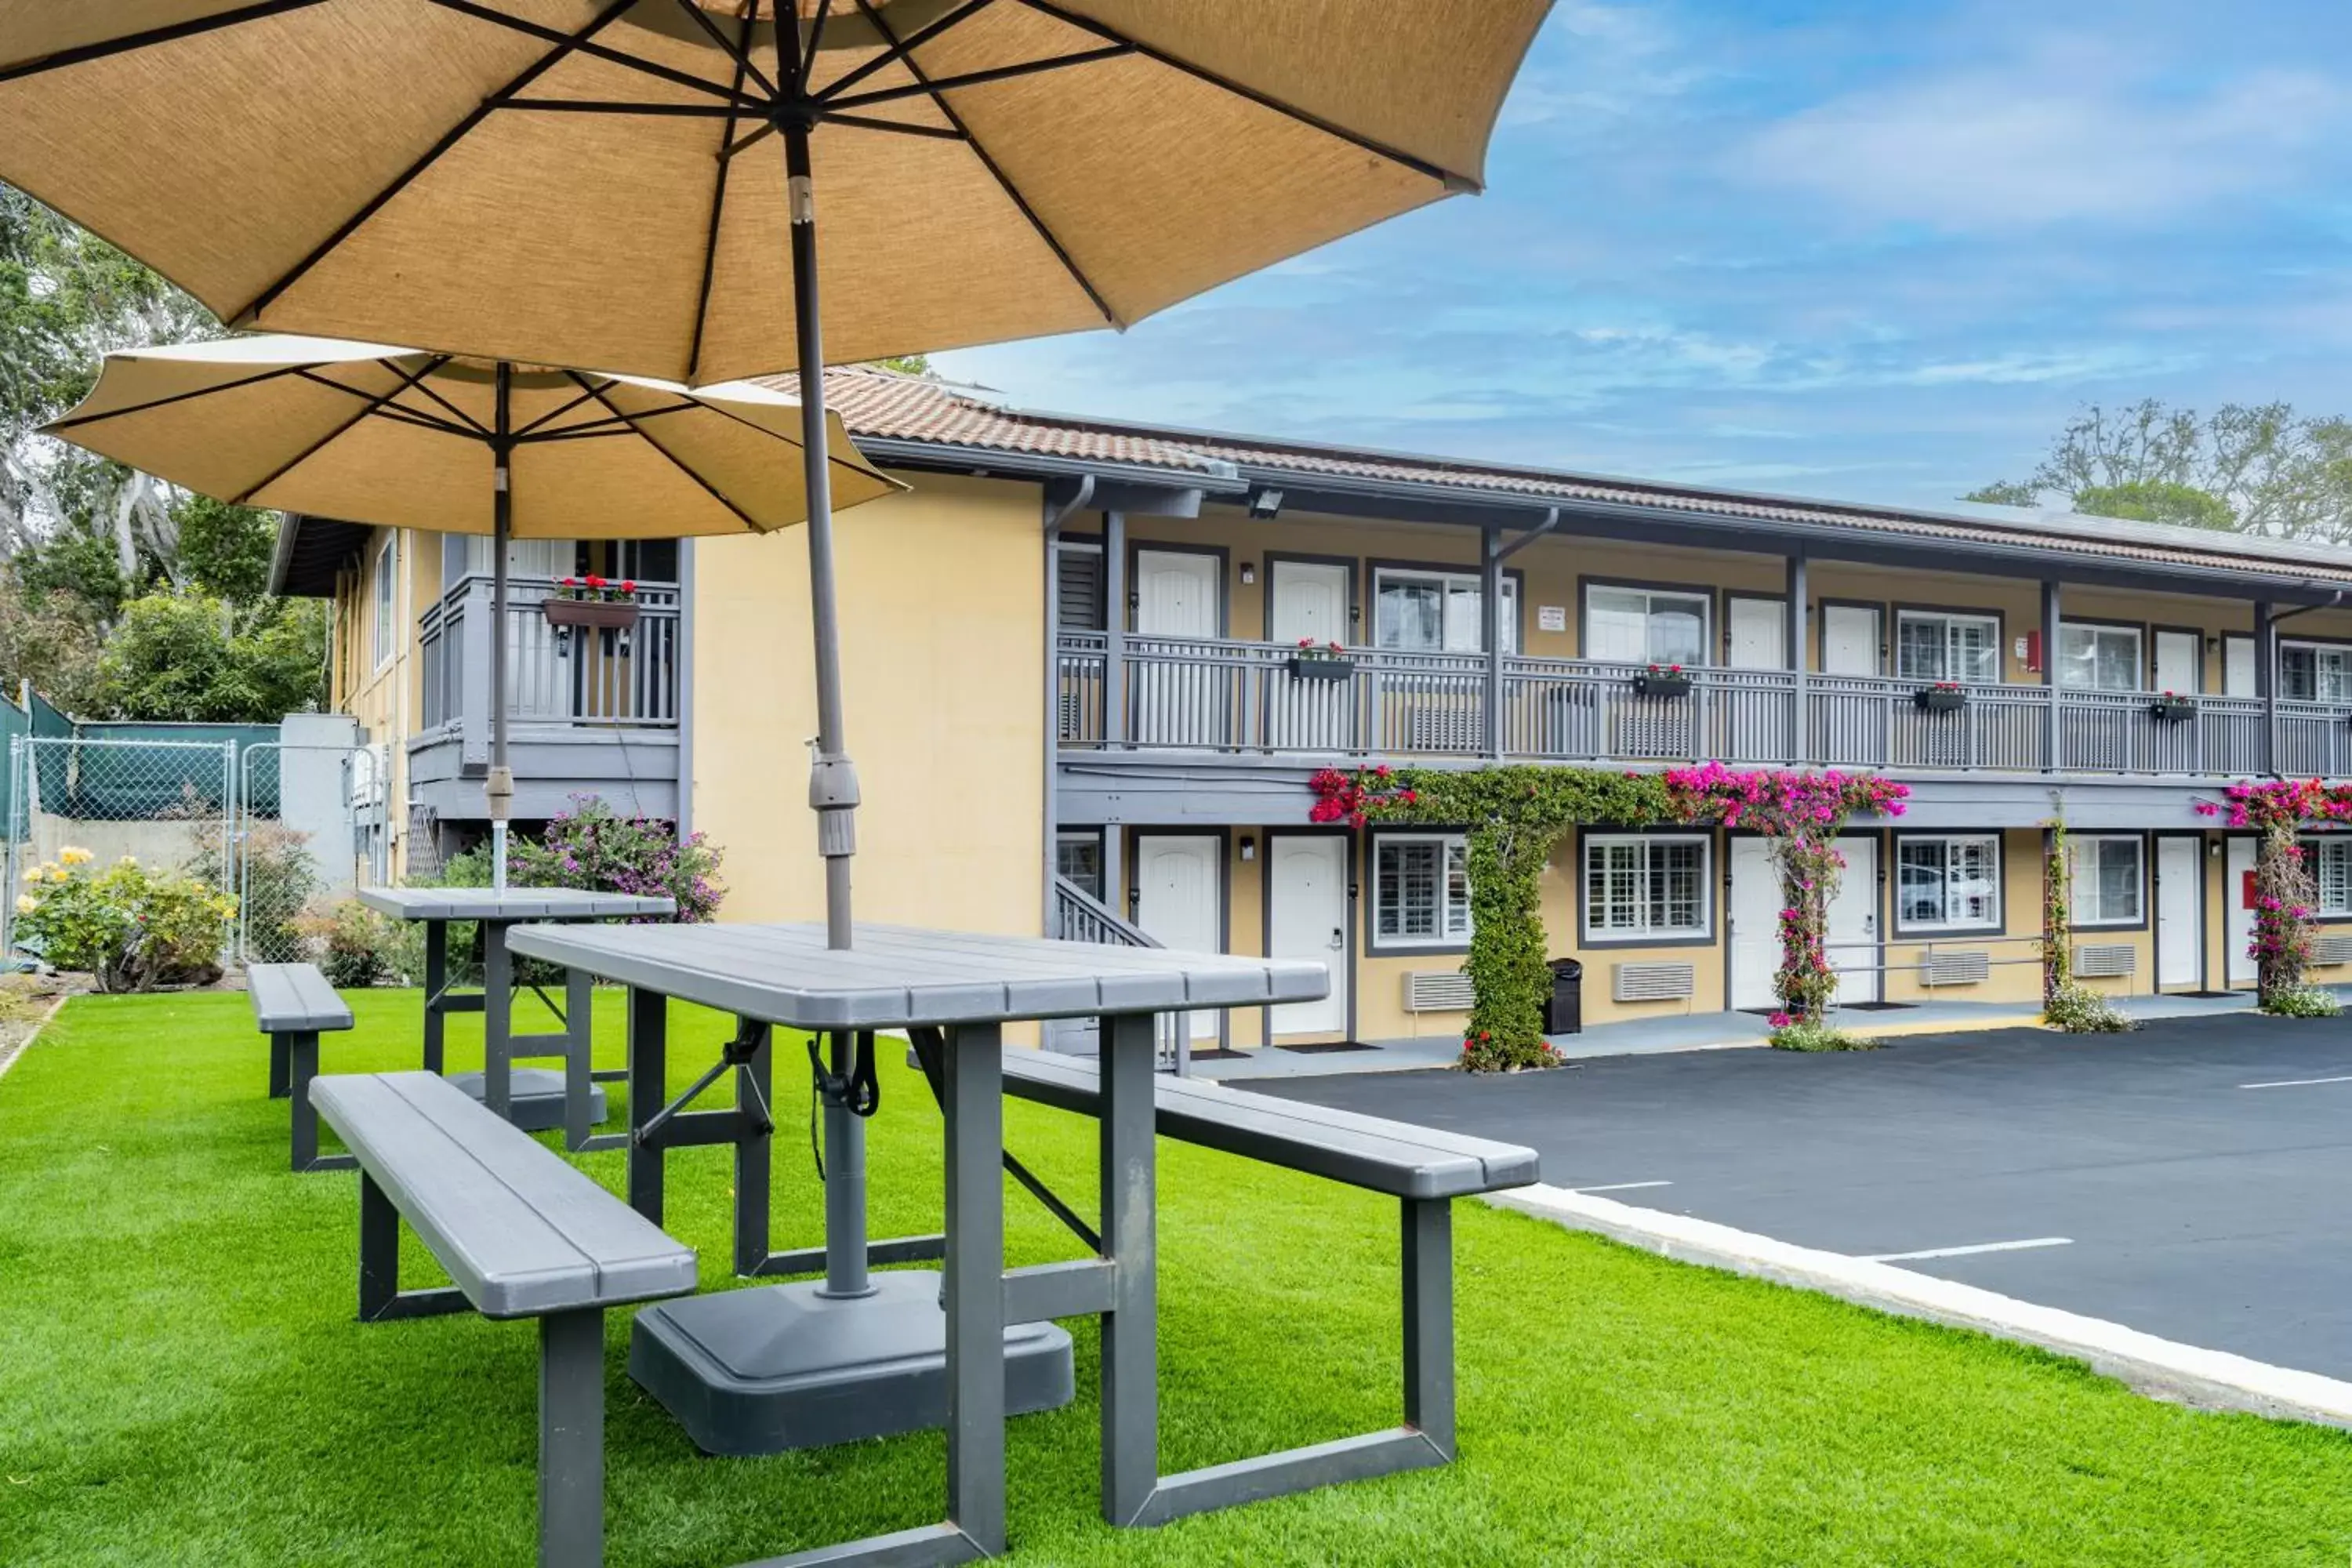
1077 708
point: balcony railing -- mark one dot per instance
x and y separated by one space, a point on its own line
1249 698
555 676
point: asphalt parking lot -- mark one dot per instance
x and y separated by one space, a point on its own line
2193 1180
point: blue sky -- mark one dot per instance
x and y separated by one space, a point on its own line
1877 251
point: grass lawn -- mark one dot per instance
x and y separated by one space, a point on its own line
181 1381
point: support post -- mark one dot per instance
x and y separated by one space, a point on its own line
379 1251
648 1070
572 1438
754 1086
2055 741
498 790
437 981
1490 633
280 1066
1800 643
1114 628
579 1065
302 1066
1130 1344
497 1021
1429 1320
844 1179
2267 682
974 1283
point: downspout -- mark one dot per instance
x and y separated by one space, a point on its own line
1055 518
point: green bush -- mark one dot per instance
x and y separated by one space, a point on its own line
2079 1010
2301 1002
1799 1034
354 945
129 928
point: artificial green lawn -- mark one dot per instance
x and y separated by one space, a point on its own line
181 1381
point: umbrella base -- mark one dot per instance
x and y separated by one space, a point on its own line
777 1367
535 1098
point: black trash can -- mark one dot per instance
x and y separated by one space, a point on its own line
1565 1015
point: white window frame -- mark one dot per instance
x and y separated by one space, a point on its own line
1449 585
2098 632
1639 851
1950 621
1991 845
384 634
1450 918
2326 659
1650 595
2335 849
2088 910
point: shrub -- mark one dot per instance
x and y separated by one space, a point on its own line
2079 1010
279 883
132 929
2301 1002
595 847
353 944
1795 1034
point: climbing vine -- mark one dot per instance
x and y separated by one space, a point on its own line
2284 896
2057 915
1514 818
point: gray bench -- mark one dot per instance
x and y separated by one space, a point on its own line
521 1234
293 1005
1423 1168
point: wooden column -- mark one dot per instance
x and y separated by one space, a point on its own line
1114 628
2051 610
1490 630
1801 620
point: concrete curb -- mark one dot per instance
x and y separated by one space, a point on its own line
9 1055
2207 1380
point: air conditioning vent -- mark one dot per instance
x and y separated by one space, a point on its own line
1970 967
2331 950
1654 982
1436 991
2105 961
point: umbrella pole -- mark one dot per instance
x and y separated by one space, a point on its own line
833 778
499 787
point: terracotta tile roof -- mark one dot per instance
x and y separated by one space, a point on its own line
884 404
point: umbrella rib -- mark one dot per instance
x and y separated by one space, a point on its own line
612 425
74 421
859 467
900 48
611 106
599 51
407 380
900 127
1012 192
766 129
671 457
1264 100
740 53
455 135
553 414
975 79
460 423
808 54
717 203
85 53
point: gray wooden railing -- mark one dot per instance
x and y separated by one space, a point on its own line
568 675
1079 916
1222 695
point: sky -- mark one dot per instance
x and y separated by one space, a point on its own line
1870 251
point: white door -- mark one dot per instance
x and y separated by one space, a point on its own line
1760 634
1849 639
2175 662
2237 898
1310 600
1853 923
1177 898
1755 923
2238 667
1176 700
2177 928
1306 917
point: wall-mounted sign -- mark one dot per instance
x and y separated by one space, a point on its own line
1551 617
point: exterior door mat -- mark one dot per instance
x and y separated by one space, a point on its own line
1217 1054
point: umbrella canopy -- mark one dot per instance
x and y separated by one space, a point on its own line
393 436
596 181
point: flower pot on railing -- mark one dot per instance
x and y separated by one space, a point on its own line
1320 662
1662 680
1944 697
592 601
2172 708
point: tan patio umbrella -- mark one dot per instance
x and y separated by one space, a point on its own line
373 433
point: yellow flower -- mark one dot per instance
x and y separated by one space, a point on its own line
26 903
60 874
33 873
126 860
73 856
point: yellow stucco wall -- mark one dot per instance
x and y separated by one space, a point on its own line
942 648
385 698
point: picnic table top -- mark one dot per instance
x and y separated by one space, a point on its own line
900 976
514 904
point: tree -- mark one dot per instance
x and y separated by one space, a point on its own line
191 657
224 550
906 364
2258 470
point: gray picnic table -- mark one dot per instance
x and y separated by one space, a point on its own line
531 1097
736 1358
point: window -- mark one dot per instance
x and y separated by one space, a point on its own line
2099 658
2331 870
1947 884
2108 880
1421 889
1439 611
387 600
2310 672
1645 885
1078 857
1934 645
1645 626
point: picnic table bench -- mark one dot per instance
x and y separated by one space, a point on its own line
293 1005
521 1233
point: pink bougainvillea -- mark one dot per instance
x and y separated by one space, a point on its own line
2284 898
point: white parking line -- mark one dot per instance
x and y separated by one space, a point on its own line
2299 1082
1969 1251
1621 1186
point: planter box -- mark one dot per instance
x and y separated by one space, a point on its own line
1662 685
2177 710
1305 669
1935 699
607 614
